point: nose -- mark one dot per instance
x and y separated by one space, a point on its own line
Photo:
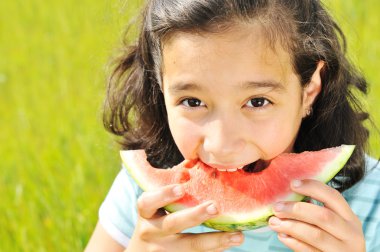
224 138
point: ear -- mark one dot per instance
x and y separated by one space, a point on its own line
312 89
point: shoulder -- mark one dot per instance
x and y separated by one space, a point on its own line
118 214
372 164
370 181
123 190
364 200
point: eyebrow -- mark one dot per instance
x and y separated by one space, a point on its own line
273 85
270 84
179 87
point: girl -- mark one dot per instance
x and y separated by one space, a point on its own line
231 83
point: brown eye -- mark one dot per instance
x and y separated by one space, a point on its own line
257 102
192 102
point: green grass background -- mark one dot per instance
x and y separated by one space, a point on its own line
56 161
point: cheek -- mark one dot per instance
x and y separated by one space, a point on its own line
277 136
186 135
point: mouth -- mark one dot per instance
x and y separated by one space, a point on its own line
256 166
253 167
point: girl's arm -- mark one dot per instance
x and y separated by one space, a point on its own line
101 241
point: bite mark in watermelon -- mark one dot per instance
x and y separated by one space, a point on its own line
245 199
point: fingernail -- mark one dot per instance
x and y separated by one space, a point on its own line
178 191
296 183
283 235
235 238
274 221
211 209
278 207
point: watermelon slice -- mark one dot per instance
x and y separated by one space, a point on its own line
245 199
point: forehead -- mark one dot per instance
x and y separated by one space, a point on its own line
252 32
241 51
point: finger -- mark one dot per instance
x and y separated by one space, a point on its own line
178 221
316 215
149 202
330 197
214 241
295 245
306 233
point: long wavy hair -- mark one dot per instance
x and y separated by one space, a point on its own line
135 111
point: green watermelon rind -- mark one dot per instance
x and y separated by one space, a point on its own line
257 218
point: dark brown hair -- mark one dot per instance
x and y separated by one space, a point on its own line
135 108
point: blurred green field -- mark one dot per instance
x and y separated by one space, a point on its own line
57 162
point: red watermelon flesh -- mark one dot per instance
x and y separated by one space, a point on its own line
245 199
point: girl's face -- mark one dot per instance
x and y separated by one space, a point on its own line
232 100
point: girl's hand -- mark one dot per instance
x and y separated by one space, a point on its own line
158 231
304 226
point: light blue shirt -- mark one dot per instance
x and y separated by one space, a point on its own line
118 214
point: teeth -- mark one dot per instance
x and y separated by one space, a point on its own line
229 170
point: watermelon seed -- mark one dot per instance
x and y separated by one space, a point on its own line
214 174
